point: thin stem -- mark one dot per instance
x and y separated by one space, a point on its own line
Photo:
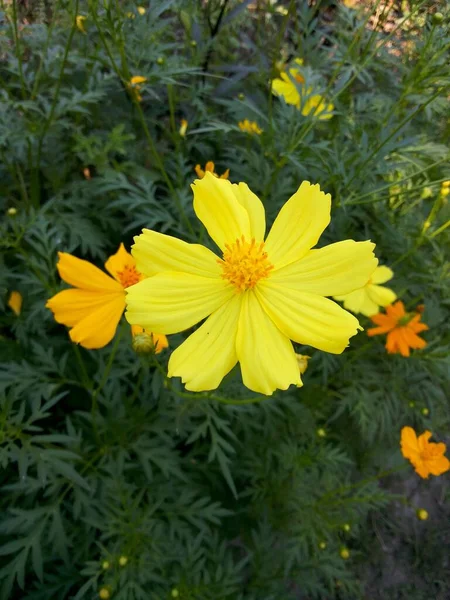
17 44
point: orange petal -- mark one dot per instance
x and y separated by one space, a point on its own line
396 311
69 307
439 465
98 328
119 261
413 340
408 442
383 320
83 274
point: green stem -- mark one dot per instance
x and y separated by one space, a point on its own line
18 47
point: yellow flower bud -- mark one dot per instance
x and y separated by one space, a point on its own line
346 527
322 545
193 43
425 412
422 514
12 211
445 191
344 553
123 560
105 565
175 593
446 184
104 594
141 10
79 22
321 432
183 127
411 404
160 60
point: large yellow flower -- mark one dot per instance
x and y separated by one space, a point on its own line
369 298
290 87
93 308
258 296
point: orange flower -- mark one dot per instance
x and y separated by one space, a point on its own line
94 306
209 168
401 328
426 457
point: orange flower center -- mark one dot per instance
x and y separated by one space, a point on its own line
129 276
245 263
299 78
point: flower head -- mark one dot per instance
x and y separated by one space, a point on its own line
15 302
291 87
426 457
250 127
135 85
94 306
183 127
79 22
401 328
369 298
260 293
209 168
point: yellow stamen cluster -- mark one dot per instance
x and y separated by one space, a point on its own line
245 263
129 276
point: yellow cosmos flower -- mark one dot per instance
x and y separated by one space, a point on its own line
258 295
183 127
250 127
93 308
15 302
290 87
209 168
369 298
135 85
79 22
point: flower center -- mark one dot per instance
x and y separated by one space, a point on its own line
245 263
299 78
129 276
403 321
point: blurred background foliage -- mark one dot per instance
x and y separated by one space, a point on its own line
115 482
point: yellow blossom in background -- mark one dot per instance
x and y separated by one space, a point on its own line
369 298
250 127
422 514
183 127
302 361
135 86
344 553
130 15
258 295
209 168
104 594
11 212
141 10
93 307
445 188
123 561
79 21
426 457
15 302
290 86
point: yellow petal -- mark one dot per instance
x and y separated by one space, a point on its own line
98 328
83 274
382 274
254 208
307 318
286 89
172 302
119 261
15 302
218 209
204 359
335 269
382 296
155 253
358 301
299 225
266 356
69 307
317 107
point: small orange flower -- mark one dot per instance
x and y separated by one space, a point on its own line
94 306
401 328
426 457
209 168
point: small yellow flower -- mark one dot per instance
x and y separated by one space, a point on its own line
183 127
123 561
15 302
141 10
369 298
426 457
259 294
321 432
250 127
290 87
344 553
94 306
422 514
135 85
79 22
445 189
209 168
12 211
104 594
302 361
446 184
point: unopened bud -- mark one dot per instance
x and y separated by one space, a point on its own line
346 527
422 514
344 553
123 560
425 412
104 594
175 593
322 545
12 211
321 432
437 18
160 60
105 565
